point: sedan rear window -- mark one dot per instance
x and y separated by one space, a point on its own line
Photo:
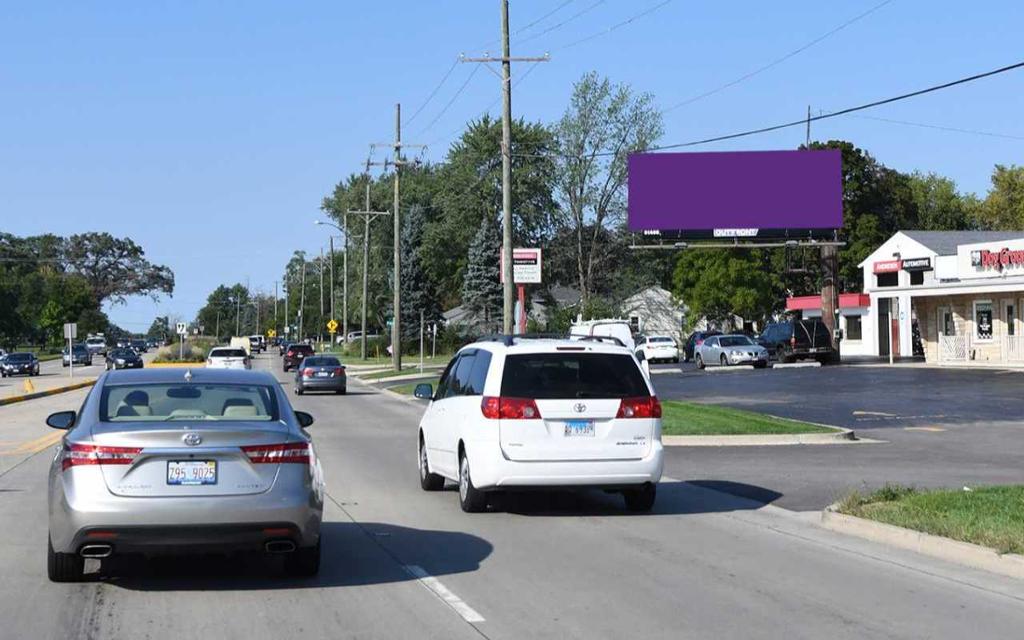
178 401
660 340
321 361
553 376
300 348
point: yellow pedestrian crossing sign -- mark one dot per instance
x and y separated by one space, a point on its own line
332 325
271 333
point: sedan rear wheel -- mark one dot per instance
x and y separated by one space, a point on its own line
63 567
471 499
699 360
304 562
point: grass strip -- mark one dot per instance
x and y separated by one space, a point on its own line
694 419
988 516
407 389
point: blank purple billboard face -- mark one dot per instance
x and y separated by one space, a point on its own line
736 190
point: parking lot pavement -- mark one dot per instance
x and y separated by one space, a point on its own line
400 562
942 428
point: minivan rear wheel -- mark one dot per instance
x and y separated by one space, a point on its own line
471 499
641 500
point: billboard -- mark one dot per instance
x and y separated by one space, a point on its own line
736 193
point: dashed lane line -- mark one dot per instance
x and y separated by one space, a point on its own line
434 585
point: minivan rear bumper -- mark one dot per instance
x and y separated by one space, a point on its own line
490 469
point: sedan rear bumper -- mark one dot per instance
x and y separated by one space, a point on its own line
322 384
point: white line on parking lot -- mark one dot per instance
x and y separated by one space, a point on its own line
455 602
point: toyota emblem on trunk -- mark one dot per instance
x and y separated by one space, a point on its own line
579 407
193 439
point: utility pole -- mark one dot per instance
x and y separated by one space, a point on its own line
320 330
238 314
275 306
285 289
368 217
807 143
344 277
302 298
506 61
330 239
396 330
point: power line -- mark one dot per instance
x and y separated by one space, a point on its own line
450 102
615 26
778 61
430 97
975 132
543 17
561 24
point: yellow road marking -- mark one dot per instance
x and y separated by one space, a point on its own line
929 429
37 445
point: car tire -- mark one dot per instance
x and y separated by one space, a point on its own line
675 360
471 499
341 392
304 562
699 360
299 391
723 361
428 481
761 365
63 567
641 500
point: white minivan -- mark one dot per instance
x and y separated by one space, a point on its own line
518 412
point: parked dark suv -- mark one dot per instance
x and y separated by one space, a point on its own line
294 355
798 340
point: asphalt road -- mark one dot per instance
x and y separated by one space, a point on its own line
403 563
936 427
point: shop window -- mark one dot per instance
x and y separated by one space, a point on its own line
1011 320
853 328
888 279
916 277
983 320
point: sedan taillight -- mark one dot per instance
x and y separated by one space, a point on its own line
642 407
494 408
339 371
297 452
291 353
307 372
86 454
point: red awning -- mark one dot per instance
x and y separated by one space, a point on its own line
846 301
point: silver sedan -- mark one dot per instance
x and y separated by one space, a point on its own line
729 350
179 460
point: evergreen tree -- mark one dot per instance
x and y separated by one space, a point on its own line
481 289
418 293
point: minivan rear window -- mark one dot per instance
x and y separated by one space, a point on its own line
553 376
227 353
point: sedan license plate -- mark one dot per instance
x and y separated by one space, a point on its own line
579 428
323 374
191 472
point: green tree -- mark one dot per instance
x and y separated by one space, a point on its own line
717 284
115 267
939 205
1003 208
418 294
481 289
160 329
603 124
226 312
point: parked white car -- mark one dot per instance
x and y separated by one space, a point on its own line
228 358
658 348
542 413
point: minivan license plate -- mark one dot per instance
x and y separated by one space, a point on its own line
577 428
191 472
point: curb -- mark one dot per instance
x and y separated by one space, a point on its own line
841 436
402 396
48 392
964 553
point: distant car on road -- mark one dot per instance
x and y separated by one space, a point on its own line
320 373
79 355
97 345
727 350
256 344
542 413
694 340
20 363
228 358
139 346
798 340
294 355
159 462
123 359
282 347
658 348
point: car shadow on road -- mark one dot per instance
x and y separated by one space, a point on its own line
674 498
354 554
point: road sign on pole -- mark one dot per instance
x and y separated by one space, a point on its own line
332 325
182 328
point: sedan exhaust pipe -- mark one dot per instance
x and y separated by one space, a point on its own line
96 551
280 546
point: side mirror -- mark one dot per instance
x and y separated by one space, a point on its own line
640 355
645 366
61 420
424 391
305 419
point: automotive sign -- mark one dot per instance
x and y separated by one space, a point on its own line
917 264
742 191
991 259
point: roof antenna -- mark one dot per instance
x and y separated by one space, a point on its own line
188 375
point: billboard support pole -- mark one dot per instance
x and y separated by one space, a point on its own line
829 306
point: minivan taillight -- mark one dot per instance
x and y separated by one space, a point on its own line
297 452
642 407
83 454
509 408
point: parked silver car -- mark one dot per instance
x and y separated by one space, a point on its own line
729 350
172 460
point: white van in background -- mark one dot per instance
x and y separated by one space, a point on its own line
611 328
242 342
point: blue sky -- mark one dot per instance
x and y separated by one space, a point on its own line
209 132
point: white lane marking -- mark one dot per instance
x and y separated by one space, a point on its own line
455 602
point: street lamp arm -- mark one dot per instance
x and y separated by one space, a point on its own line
330 224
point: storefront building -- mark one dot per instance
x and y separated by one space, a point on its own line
854 309
951 296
